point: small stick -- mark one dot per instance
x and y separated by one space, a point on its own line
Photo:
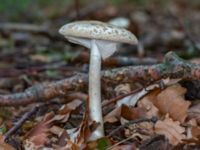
111 147
153 119
25 117
21 122
115 99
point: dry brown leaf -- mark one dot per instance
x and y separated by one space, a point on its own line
69 107
171 129
65 110
140 129
56 130
71 146
147 104
194 113
131 113
156 142
122 89
171 101
84 131
193 135
125 147
166 102
80 135
113 116
196 132
38 136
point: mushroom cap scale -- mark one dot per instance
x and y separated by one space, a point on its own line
98 30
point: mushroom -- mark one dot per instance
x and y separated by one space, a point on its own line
102 39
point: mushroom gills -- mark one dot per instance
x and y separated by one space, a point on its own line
106 48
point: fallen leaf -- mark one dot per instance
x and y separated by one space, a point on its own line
166 102
65 110
113 116
196 132
194 113
144 130
171 101
131 113
171 129
193 135
122 89
147 104
38 135
158 142
79 136
56 130
125 147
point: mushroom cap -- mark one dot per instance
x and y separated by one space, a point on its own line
98 30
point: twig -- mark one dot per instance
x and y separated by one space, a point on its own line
172 67
25 117
153 119
113 100
20 122
111 147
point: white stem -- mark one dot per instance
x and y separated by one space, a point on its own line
95 91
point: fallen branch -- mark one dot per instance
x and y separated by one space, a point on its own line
172 67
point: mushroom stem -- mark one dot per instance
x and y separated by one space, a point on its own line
95 91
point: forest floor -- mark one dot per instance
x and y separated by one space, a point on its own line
44 80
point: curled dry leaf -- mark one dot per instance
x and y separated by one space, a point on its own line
171 129
167 102
38 136
171 101
131 113
113 116
128 113
66 110
79 136
147 104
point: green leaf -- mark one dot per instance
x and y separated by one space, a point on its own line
103 143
